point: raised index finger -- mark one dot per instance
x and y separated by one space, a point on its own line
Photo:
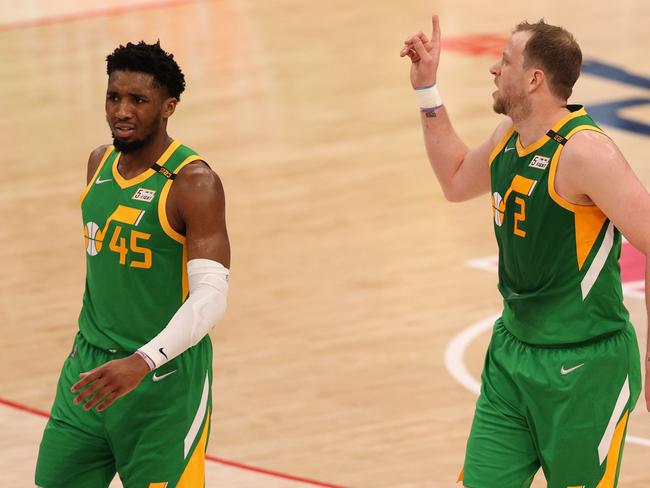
435 32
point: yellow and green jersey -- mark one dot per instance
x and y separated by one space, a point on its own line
136 276
558 261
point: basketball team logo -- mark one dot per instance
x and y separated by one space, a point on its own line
93 238
496 206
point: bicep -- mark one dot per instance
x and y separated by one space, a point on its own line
202 208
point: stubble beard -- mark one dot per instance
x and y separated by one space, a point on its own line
517 106
126 147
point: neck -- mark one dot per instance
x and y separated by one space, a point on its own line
135 162
538 121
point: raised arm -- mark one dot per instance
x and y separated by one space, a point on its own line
463 173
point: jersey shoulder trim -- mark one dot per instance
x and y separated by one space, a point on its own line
553 169
162 201
107 153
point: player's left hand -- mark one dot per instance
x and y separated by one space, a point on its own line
108 382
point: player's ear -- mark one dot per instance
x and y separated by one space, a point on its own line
169 106
536 79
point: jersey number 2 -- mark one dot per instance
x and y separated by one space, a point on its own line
520 216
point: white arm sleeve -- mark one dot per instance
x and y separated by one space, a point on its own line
204 307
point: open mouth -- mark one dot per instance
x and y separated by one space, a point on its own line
124 132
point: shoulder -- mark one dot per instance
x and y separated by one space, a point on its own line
197 187
502 130
97 154
198 176
94 159
590 162
591 149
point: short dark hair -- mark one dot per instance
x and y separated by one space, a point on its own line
556 52
150 59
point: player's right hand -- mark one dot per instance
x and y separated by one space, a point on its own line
105 384
424 54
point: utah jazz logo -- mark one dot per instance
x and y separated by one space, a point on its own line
523 186
94 238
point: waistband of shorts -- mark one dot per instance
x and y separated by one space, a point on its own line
571 345
80 336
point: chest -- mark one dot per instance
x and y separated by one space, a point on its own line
520 190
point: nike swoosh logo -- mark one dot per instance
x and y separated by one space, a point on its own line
508 149
567 371
162 376
99 181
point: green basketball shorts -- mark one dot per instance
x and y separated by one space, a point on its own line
154 437
562 408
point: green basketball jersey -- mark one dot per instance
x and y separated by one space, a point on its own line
136 276
558 262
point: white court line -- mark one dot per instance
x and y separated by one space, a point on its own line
455 363
455 353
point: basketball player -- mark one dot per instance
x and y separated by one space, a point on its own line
561 373
134 394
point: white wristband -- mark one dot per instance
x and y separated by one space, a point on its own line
428 98
150 362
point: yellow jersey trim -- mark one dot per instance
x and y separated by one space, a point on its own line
162 202
588 219
194 472
136 180
168 229
499 147
185 282
553 170
90 184
525 151
614 454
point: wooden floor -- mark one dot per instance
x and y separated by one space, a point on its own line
349 272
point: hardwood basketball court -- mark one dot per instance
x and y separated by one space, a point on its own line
351 274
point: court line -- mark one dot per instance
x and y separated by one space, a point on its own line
24 408
455 362
89 14
271 473
234 464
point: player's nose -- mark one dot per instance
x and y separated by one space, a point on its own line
123 110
